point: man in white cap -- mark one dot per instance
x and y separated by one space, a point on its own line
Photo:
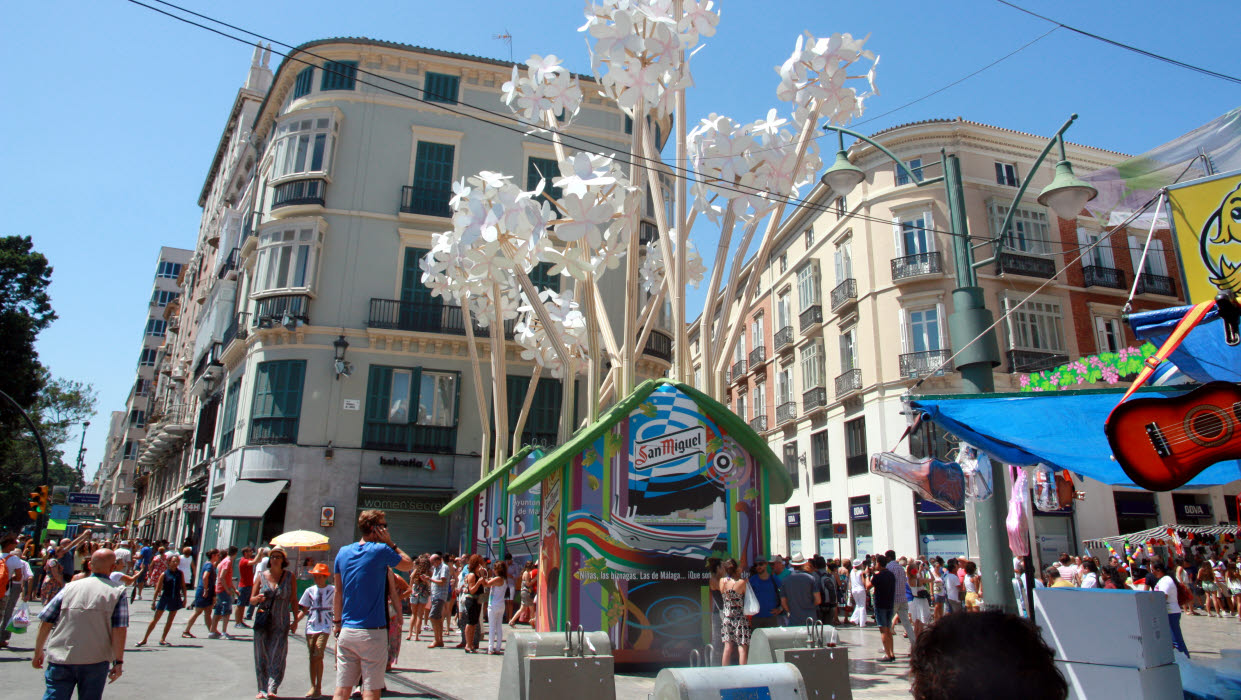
801 595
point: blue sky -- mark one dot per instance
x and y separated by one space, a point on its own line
106 146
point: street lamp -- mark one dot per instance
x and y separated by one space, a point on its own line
339 346
970 323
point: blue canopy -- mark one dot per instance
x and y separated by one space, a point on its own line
1062 429
1203 355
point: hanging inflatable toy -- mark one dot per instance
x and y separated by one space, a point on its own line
976 466
939 482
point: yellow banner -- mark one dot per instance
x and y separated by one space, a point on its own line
1206 228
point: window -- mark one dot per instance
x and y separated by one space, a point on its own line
168 270
130 451
808 285
545 169
411 410
1156 263
1110 335
287 258
433 168
790 463
783 318
913 237
543 423
156 327
756 333
923 331
820 468
739 348
856 456
1006 174
437 399
137 418
1027 233
784 386
1035 326
1098 255
441 88
303 146
930 440
848 349
784 263
142 387
229 420
740 410
841 207
339 75
812 366
277 407
542 278
305 78
760 401
698 375
163 298
147 357
843 259
915 166
809 237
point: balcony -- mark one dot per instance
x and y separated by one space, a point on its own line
814 399
1034 361
844 293
785 412
759 423
270 311
1027 265
426 201
288 194
916 266
821 473
758 355
1156 284
738 370
237 329
647 233
1097 276
784 339
211 358
848 382
230 263
273 431
810 318
658 345
428 317
919 364
409 437
857 465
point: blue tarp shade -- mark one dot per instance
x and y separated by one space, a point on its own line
1203 355
1062 429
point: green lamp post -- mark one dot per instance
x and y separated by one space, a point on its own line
970 323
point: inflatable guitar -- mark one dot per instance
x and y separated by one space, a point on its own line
940 482
1162 443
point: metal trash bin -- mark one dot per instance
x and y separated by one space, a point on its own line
767 681
824 668
555 665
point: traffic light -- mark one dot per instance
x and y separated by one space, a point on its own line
38 503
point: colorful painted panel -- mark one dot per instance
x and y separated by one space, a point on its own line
647 503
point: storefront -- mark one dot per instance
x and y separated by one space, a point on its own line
823 529
1056 534
941 532
413 516
792 528
863 536
1192 509
1135 511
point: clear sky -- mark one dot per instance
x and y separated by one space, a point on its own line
107 140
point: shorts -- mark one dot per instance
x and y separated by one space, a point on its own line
1208 587
971 599
317 644
170 605
223 603
203 600
437 608
527 598
883 617
243 596
940 599
361 658
420 599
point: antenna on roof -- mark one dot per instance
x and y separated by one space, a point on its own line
507 38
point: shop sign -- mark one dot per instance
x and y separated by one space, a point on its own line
1136 508
823 515
1195 510
404 504
792 518
860 512
407 461
192 507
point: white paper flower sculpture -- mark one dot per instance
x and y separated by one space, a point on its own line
813 78
568 322
546 88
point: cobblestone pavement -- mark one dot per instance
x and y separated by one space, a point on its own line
210 668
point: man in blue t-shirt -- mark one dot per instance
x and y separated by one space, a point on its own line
145 555
767 591
360 606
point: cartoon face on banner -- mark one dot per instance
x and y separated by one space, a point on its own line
1206 219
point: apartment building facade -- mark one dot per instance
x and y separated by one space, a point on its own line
317 374
853 311
125 436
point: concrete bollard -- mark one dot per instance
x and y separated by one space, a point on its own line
555 665
757 682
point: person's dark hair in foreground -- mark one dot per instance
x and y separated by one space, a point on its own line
984 655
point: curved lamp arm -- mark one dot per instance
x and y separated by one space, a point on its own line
917 181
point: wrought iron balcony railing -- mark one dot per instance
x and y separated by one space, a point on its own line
238 328
273 431
287 194
427 201
658 344
848 382
1033 360
409 437
784 338
844 293
271 311
759 423
917 364
786 411
916 266
1156 284
810 318
230 263
757 355
814 399
1027 265
1097 276
738 369
821 473
426 317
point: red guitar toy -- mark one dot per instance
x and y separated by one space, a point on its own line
1164 442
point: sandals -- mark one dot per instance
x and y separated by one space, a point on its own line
141 644
163 643
187 635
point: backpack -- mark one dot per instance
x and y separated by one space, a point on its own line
4 574
827 589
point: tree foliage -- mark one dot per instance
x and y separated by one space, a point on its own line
25 310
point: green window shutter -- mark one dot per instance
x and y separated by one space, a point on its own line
543 279
261 408
304 81
441 88
419 310
546 169
432 178
543 423
378 388
339 75
277 405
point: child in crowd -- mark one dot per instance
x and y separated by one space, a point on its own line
316 607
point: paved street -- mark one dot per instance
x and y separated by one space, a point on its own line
209 668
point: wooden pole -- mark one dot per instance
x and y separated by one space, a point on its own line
525 407
479 392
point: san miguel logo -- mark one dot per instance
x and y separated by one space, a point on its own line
670 447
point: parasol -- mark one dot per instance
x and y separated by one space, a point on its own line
304 540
